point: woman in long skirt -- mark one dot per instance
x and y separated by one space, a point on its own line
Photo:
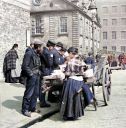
72 106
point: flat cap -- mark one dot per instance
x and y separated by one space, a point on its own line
51 43
37 41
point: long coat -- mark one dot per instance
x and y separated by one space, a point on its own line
10 60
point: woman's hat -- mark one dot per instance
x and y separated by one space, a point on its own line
73 50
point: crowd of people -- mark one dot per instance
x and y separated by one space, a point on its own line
119 60
40 61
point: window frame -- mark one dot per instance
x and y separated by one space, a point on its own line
113 22
122 8
105 36
113 9
123 48
123 36
113 48
122 22
105 22
114 35
66 27
105 10
37 26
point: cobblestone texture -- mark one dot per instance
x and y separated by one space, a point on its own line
111 116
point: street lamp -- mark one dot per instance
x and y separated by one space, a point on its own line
93 9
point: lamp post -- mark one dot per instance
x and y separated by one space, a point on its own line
93 9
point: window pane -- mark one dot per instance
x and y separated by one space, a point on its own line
63 24
104 35
123 21
105 22
113 34
123 48
123 34
33 26
114 9
124 8
105 9
114 48
114 21
105 47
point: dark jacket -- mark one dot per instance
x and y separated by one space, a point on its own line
46 62
31 63
56 58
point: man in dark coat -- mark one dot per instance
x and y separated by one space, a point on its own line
46 68
30 67
57 60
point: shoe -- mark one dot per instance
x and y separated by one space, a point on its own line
45 105
26 113
36 111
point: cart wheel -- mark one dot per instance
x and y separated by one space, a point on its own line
106 86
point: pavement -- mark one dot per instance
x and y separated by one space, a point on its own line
111 116
10 106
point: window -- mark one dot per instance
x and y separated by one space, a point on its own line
123 34
124 8
113 48
63 25
105 9
114 9
81 26
104 35
105 22
114 21
37 25
113 34
123 48
104 47
123 21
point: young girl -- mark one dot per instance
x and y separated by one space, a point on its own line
72 106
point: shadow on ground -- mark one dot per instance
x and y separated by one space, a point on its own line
14 104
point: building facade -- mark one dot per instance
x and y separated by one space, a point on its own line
14 22
113 19
65 21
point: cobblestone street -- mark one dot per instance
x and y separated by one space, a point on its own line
111 116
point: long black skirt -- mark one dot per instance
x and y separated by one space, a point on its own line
8 77
71 106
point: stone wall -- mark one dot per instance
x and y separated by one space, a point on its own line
14 21
64 38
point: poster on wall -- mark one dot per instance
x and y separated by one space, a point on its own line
27 37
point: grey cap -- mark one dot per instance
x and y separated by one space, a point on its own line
38 42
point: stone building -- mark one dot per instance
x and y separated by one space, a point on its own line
113 19
65 21
14 22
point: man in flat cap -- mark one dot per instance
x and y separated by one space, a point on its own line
57 60
30 67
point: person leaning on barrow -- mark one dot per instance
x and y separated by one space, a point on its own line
71 105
